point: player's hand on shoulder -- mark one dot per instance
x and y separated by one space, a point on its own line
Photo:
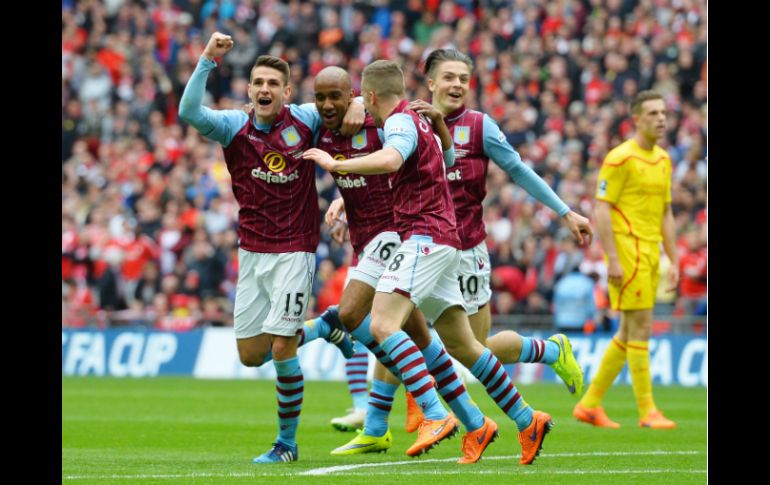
426 109
353 119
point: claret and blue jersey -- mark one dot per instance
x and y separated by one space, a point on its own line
368 198
274 186
477 139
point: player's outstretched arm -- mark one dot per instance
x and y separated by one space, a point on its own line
497 148
219 126
386 160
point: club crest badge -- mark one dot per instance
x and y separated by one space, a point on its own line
290 136
359 140
462 135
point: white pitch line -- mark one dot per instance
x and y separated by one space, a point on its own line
345 468
464 471
339 468
158 476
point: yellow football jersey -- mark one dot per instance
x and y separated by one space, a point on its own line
637 183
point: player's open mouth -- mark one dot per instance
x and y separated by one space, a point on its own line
456 95
329 116
264 101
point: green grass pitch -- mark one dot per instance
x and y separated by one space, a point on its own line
189 431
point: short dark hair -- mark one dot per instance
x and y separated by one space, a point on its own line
442 55
648 95
273 62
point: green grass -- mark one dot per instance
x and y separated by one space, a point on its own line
183 430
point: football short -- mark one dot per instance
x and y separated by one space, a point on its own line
474 277
374 258
426 273
640 260
273 292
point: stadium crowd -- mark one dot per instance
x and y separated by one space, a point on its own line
148 215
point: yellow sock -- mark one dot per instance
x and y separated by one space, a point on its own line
639 365
613 361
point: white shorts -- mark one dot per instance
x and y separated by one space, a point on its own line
273 292
475 272
373 259
426 273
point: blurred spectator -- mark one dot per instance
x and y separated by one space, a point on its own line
692 266
569 258
573 301
213 315
148 286
331 285
205 268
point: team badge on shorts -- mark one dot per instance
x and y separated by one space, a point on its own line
462 135
290 136
359 140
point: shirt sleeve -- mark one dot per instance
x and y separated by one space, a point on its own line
449 156
497 148
308 115
612 178
217 125
401 134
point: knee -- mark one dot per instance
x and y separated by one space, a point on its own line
465 352
380 331
283 349
251 357
638 326
350 315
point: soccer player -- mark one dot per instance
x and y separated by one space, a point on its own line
423 271
278 221
477 140
633 215
374 236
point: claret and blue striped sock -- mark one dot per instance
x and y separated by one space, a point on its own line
290 386
491 373
538 350
451 387
380 404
